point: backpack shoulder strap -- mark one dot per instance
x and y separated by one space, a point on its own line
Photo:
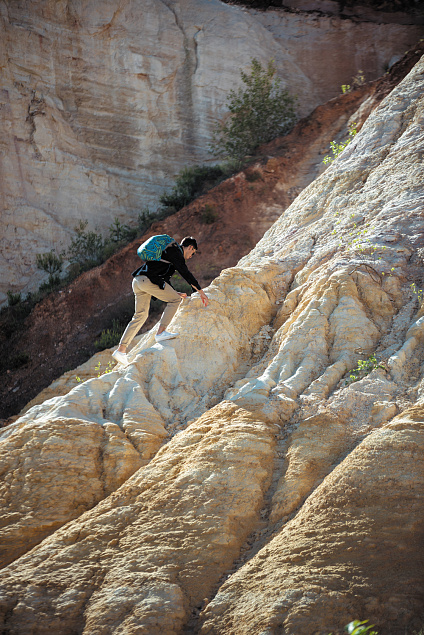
171 245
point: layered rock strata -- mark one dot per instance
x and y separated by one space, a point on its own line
283 461
102 105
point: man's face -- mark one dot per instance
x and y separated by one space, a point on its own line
189 252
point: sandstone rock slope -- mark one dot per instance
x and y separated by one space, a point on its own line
246 205
288 497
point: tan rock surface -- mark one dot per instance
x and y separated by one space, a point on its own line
354 550
101 106
327 285
128 410
155 548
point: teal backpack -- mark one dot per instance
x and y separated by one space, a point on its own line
153 247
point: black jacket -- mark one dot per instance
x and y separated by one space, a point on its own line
160 272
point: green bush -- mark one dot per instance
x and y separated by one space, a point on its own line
253 175
359 628
337 148
180 284
119 233
110 337
258 113
192 182
52 283
209 215
364 367
86 248
50 262
144 220
13 298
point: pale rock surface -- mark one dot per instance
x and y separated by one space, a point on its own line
130 410
327 285
143 557
354 549
102 105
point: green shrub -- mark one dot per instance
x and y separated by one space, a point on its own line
364 367
119 233
357 81
180 284
52 283
209 215
86 248
110 337
258 113
50 262
13 298
192 182
252 175
144 220
359 628
337 148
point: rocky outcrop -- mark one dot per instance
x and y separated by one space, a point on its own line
245 206
331 563
102 105
288 494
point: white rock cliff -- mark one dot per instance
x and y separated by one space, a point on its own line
270 492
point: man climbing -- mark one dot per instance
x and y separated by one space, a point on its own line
153 279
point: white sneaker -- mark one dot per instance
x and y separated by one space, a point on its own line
121 358
165 336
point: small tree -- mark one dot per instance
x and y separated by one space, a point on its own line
86 248
260 112
52 264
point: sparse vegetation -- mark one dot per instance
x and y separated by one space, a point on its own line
418 292
359 628
363 368
144 220
110 337
13 298
209 215
119 233
357 81
252 175
258 113
86 248
337 148
192 182
51 263
18 360
98 369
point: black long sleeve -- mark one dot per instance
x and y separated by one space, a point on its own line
160 271
175 256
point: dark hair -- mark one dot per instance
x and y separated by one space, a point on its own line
189 240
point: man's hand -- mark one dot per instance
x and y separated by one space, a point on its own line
204 297
183 295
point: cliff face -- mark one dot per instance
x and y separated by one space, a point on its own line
102 105
272 490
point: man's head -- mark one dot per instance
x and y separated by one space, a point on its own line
189 245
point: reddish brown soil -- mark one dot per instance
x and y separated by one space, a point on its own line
60 332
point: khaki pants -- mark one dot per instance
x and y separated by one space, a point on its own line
143 291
